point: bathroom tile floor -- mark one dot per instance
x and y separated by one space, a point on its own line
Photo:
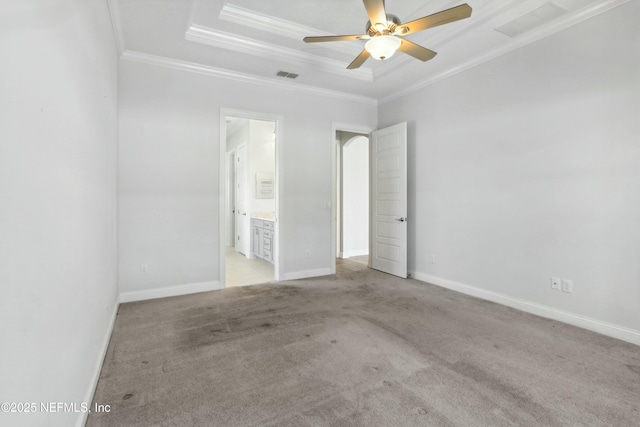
242 271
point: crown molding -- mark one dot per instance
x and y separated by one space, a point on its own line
250 18
193 67
116 24
208 36
280 27
518 42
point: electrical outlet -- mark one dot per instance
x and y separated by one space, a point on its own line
567 285
307 253
144 269
432 259
555 283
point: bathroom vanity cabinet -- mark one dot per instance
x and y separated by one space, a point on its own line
263 238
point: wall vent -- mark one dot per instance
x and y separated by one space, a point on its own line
531 20
287 74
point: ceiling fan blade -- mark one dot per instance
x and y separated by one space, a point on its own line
364 55
376 12
417 51
450 15
334 38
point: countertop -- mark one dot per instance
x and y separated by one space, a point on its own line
265 216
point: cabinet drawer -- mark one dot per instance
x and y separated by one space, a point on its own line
267 244
268 256
267 234
268 225
257 223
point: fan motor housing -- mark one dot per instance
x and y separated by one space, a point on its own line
392 22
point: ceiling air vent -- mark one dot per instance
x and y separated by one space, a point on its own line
287 74
531 20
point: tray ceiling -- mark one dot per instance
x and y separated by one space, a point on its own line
256 39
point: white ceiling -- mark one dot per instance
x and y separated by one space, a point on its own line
254 39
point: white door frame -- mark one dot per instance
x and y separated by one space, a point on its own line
222 199
334 183
231 183
242 224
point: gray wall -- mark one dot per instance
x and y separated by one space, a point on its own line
58 133
528 167
169 168
355 197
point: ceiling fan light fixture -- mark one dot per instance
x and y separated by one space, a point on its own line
383 47
384 39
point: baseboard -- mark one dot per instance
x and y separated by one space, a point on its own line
609 329
296 275
360 252
93 384
169 291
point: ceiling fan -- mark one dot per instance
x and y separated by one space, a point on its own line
384 32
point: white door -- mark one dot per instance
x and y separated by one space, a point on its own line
389 200
242 202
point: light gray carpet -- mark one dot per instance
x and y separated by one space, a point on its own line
367 349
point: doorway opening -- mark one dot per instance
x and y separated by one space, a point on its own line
352 201
249 206
387 190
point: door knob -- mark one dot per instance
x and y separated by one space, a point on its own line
401 219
